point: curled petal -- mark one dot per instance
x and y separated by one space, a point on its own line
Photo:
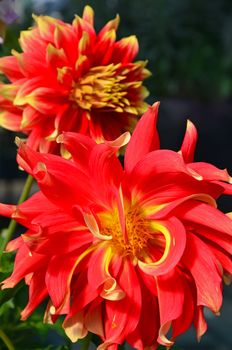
99 275
74 327
175 240
93 227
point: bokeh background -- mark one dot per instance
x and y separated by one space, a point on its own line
188 44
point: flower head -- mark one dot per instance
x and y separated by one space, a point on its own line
70 78
125 253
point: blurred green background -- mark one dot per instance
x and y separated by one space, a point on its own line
189 47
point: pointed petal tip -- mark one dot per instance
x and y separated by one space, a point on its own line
121 141
156 104
155 107
7 285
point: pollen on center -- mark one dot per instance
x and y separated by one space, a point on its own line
131 236
103 87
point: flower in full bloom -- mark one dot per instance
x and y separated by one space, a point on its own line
125 253
70 78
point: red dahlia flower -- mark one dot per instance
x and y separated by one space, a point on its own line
69 78
123 253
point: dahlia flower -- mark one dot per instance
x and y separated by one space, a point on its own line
125 253
70 78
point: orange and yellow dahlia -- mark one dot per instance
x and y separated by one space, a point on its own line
125 253
70 78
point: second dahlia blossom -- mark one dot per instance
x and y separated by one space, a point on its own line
70 78
126 253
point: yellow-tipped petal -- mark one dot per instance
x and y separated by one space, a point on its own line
88 15
45 24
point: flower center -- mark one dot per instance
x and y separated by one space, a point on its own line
130 237
104 87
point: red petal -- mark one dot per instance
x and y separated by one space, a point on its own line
123 316
9 66
182 323
210 172
205 215
171 292
65 38
156 164
49 172
82 294
80 146
215 237
125 49
146 333
113 24
37 292
25 263
105 170
200 323
189 142
205 270
59 277
106 44
144 139
55 57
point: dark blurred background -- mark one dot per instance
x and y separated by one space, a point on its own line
189 47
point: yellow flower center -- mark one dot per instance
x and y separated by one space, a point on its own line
104 87
131 239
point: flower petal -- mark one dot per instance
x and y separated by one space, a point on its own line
189 143
205 215
171 301
201 263
25 263
122 319
144 139
175 240
37 292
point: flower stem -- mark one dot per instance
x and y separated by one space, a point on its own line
11 228
6 340
84 343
